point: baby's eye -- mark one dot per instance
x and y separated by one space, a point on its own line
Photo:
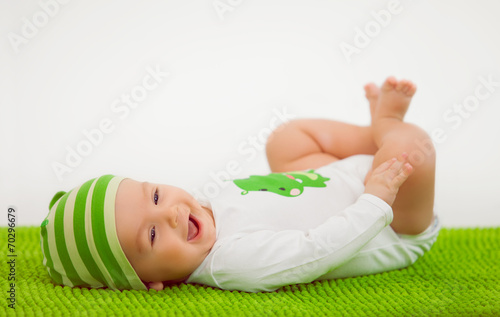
152 235
155 197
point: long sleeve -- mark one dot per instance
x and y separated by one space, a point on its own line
265 260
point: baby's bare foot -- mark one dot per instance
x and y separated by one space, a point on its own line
395 97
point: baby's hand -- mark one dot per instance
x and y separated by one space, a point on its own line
385 180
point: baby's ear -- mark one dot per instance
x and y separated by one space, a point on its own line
155 285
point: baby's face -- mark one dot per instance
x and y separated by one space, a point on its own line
164 232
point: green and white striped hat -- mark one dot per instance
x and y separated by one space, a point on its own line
79 242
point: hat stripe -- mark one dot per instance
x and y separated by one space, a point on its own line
50 250
76 261
47 259
99 231
55 245
89 213
128 271
62 250
79 221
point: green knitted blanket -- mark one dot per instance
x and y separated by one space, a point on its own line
460 276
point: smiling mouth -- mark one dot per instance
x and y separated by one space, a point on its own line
193 228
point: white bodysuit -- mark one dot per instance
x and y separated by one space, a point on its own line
297 227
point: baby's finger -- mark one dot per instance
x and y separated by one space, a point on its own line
384 166
403 157
396 167
398 164
403 175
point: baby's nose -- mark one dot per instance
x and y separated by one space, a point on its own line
172 215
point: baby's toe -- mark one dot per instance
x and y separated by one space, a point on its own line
389 84
371 91
406 87
412 88
402 85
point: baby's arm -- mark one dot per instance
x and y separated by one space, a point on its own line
265 260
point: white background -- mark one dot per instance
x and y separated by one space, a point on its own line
231 69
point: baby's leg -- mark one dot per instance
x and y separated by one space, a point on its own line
312 143
413 207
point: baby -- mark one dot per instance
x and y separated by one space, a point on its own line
342 201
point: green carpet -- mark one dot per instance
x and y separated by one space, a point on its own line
460 276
